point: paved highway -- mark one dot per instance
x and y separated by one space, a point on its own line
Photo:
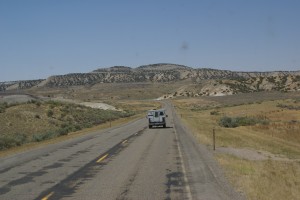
126 162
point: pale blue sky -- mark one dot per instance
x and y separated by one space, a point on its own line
39 38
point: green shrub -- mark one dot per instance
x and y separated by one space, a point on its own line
2 110
77 127
67 128
246 121
37 116
38 103
50 113
228 122
3 107
214 112
64 131
232 122
44 136
8 141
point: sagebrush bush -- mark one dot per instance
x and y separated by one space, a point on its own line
38 137
214 112
232 122
228 122
3 107
50 113
8 141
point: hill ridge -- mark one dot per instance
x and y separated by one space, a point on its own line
163 73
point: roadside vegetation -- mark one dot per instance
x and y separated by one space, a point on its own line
267 129
36 121
232 122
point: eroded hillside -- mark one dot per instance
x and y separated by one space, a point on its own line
204 81
222 87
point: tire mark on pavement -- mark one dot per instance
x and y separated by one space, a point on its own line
68 186
132 177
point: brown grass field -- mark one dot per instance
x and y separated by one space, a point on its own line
270 168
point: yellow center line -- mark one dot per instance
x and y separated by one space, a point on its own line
102 158
124 141
48 196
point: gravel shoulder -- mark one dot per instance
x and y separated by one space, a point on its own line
205 177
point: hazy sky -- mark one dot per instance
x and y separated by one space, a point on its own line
39 38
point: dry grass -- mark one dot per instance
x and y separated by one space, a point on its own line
264 179
261 137
26 118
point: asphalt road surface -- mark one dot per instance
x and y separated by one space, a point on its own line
125 162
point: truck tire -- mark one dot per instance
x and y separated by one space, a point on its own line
164 126
150 126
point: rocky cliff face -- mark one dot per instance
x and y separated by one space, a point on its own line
222 87
165 72
19 85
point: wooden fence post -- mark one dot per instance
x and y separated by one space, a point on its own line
214 139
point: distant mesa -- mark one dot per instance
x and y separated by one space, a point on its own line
114 69
213 82
164 66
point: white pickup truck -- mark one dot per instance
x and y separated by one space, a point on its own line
157 118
